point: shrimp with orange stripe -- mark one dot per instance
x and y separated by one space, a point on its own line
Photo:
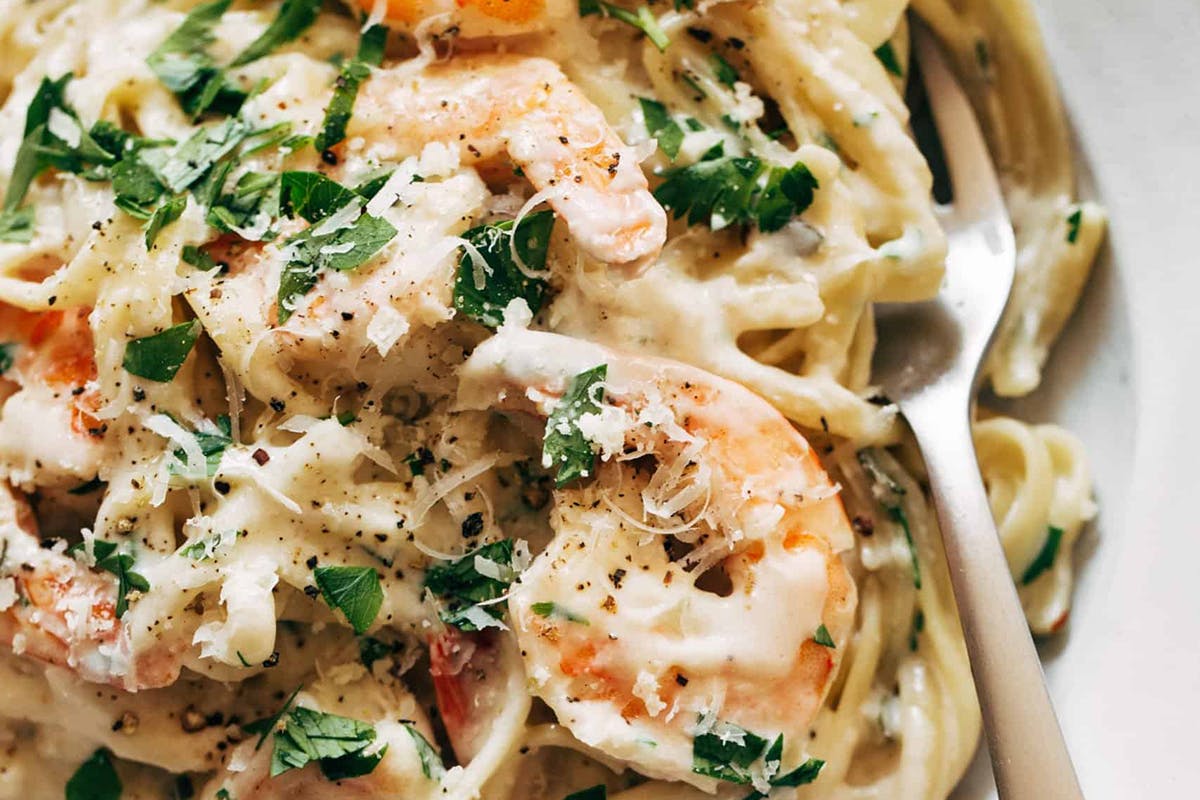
470 18
49 429
55 609
695 575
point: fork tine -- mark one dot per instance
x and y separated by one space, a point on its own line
976 189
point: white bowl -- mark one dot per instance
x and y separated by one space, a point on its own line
1125 675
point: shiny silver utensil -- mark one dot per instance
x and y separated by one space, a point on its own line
927 361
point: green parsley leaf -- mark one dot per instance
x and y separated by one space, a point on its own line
482 291
212 444
264 727
341 249
726 752
95 779
184 66
643 19
723 70
181 167
166 213
418 460
918 625
552 610
250 208
431 761
136 187
294 18
564 445
312 196
109 559
1073 223
887 56
662 127
370 54
462 584
353 590
16 225
897 515
328 739
802 775
316 198
159 357
822 637
29 162
207 548
200 259
6 356
223 794
371 650
1045 557
890 495
597 792
720 191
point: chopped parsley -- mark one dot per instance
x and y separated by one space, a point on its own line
418 460
597 792
723 70
167 212
206 548
294 18
184 66
1045 557
890 495
212 443
159 357
478 577
53 139
724 190
371 650
483 291
355 591
431 763
643 19
887 56
6 356
822 637
183 166
1073 223
16 225
336 743
564 445
109 559
339 237
345 91
662 127
918 625
733 754
95 779
250 208
552 610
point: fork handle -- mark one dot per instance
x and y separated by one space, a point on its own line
1028 753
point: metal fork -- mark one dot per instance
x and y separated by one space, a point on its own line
927 361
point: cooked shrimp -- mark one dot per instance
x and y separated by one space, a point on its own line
472 18
55 610
489 105
48 429
627 633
